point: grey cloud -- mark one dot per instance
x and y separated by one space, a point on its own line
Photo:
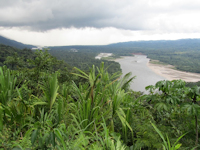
49 14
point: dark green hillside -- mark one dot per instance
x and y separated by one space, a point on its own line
83 59
13 43
39 111
6 51
45 104
183 54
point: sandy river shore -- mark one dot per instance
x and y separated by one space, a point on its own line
172 74
165 71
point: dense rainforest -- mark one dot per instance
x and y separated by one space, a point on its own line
45 104
182 54
84 60
16 58
6 51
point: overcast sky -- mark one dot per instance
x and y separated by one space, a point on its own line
98 22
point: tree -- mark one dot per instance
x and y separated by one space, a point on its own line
14 61
192 107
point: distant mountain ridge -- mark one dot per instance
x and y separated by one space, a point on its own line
14 43
158 44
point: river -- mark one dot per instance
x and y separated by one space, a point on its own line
137 65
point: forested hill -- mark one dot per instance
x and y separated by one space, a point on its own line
183 44
183 54
161 44
44 105
84 60
13 43
14 57
6 51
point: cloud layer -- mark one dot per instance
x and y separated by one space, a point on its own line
171 15
94 22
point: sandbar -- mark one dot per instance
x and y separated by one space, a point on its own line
103 55
169 73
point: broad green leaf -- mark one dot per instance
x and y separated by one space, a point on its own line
34 136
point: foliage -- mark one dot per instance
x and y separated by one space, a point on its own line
166 143
40 110
183 54
84 60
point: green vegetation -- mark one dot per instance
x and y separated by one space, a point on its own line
84 60
6 51
111 58
157 62
187 61
182 54
43 105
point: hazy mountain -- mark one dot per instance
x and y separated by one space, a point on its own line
13 43
183 44
159 44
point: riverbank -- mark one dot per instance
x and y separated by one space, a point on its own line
139 66
101 55
169 73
